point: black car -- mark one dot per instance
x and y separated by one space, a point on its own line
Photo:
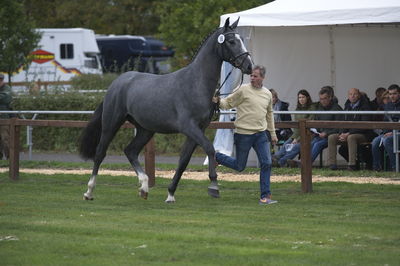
120 53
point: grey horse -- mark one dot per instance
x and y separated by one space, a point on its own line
178 102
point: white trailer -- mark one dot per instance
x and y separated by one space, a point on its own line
61 55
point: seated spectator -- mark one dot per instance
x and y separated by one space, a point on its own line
282 133
291 147
385 140
377 102
385 100
319 141
351 137
326 103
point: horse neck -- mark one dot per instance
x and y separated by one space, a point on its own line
207 63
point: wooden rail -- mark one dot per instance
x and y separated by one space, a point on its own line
303 125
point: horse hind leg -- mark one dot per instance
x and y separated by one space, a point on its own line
106 137
132 153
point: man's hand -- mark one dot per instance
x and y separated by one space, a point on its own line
274 140
343 137
215 99
388 134
323 135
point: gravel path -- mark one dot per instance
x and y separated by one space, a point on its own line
221 176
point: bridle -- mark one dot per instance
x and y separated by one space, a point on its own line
231 60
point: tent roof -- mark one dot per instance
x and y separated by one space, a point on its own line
318 12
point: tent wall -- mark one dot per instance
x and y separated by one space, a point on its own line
346 56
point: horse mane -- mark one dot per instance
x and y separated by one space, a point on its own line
196 52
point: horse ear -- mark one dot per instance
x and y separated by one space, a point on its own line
234 25
226 23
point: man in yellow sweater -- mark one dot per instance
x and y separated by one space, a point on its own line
253 103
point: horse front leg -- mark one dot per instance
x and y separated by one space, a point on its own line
184 159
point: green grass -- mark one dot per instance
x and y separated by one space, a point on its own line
338 224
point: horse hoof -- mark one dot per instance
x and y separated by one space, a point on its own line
170 201
213 192
87 198
143 194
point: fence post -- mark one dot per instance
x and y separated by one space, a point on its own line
305 154
14 149
150 162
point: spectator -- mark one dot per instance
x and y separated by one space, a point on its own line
5 102
282 133
291 147
351 137
326 103
385 100
385 140
377 102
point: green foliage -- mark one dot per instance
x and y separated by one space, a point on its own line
103 16
185 23
93 81
44 221
17 36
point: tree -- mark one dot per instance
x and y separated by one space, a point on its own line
184 23
17 37
134 17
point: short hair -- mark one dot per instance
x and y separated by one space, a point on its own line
261 69
394 87
327 90
379 91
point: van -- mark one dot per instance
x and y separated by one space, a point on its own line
120 53
61 55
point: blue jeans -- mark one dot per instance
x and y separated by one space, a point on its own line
387 144
318 144
261 145
282 155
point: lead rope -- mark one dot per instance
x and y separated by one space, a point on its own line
215 111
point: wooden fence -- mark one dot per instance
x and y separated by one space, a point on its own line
303 125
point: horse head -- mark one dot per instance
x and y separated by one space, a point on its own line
231 48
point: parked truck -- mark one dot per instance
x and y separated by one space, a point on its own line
121 53
61 55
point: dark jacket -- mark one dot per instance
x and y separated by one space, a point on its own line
362 105
283 133
329 117
390 106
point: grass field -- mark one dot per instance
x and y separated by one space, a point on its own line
44 221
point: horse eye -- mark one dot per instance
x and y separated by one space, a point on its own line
231 41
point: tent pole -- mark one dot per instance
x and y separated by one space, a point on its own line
332 56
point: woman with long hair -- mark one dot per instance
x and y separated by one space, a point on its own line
291 147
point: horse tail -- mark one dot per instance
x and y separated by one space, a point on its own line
90 136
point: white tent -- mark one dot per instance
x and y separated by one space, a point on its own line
312 43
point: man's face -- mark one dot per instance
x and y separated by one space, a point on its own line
394 96
325 99
256 79
354 95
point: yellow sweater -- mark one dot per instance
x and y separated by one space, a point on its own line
253 107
